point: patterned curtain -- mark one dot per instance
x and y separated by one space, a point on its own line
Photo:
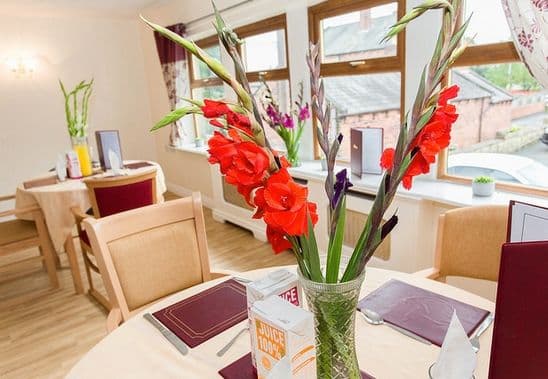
528 21
174 69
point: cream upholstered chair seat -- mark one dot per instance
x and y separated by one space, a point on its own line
148 253
469 242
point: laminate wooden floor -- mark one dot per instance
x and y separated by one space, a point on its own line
44 337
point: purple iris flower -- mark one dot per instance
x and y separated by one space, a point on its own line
342 184
288 121
304 113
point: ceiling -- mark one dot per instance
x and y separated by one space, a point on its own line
117 7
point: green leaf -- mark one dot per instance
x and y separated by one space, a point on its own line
334 251
175 115
313 254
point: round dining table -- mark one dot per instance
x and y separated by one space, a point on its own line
137 350
56 198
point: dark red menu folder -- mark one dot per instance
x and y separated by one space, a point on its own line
205 315
243 369
520 335
422 312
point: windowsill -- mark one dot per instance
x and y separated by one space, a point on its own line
423 189
189 148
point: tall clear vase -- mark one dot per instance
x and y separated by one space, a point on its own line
334 308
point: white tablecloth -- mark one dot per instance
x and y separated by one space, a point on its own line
57 199
137 350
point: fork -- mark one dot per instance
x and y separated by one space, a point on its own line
481 329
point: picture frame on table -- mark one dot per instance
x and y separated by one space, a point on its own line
108 140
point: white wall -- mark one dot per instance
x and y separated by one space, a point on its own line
73 48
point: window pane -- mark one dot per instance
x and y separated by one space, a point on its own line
213 92
264 51
364 100
200 69
280 93
501 126
357 35
488 23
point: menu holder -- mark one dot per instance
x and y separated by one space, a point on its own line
41 182
207 314
136 165
243 369
422 312
519 348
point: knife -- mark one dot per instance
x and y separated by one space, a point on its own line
168 334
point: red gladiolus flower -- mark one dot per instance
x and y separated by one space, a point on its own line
387 158
213 109
277 239
223 149
283 204
239 121
433 137
248 169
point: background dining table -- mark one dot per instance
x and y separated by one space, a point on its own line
56 201
137 350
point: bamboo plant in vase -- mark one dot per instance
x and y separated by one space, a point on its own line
331 283
76 112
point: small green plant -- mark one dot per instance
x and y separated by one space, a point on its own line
514 129
483 179
77 117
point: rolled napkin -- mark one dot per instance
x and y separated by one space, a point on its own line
457 359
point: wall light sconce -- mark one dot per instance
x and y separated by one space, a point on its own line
22 66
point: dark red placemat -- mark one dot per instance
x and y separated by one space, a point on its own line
136 165
243 369
422 312
205 315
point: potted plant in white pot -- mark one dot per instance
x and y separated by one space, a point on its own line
483 186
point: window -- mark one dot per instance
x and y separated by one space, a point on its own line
264 53
204 84
362 77
502 110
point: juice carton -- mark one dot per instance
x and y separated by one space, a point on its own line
280 283
283 340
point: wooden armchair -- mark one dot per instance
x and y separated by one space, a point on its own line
469 242
148 253
17 235
108 196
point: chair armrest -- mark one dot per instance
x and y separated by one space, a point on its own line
428 273
8 197
114 319
18 211
78 214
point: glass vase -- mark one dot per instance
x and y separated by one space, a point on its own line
293 155
334 309
81 148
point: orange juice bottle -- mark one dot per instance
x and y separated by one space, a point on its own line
80 147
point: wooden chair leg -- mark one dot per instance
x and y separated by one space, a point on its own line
47 252
73 262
